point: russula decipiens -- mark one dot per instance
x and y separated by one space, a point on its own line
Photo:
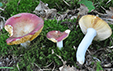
94 28
58 37
23 27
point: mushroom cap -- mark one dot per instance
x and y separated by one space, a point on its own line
23 27
57 36
102 28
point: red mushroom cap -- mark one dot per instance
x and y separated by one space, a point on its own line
23 27
57 36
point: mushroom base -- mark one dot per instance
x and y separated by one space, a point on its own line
25 44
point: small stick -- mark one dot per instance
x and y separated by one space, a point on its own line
66 3
108 1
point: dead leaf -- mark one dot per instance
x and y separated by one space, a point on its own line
43 11
83 10
108 16
67 68
110 12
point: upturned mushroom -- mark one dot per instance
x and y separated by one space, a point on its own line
58 37
23 28
94 28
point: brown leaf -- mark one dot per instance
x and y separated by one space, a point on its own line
43 11
67 68
110 12
83 10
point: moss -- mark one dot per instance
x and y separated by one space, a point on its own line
14 7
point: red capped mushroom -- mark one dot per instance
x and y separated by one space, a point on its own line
23 27
58 37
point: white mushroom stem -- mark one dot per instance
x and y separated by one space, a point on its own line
25 44
85 43
60 44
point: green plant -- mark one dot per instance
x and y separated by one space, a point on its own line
15 7
98 66
1 4
88 4
6 67
3 45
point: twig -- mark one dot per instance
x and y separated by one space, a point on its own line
103 8
2 18
66 3
96 59
110 47
19 2
100 13
108 1
53 68
108 20
38 66
48 65
18 67
64 62
1 9
46 69
57 5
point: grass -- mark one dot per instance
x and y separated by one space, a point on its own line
6 67
99 68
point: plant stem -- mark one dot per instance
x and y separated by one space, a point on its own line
6 67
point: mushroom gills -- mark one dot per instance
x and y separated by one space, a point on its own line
85 43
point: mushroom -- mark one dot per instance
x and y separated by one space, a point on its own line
94 28
23 28
58 37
